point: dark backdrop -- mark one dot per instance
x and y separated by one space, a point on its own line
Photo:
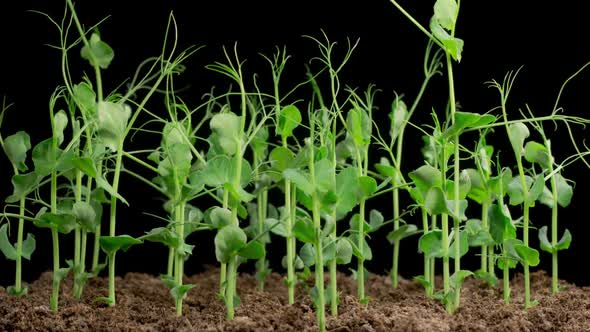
548 41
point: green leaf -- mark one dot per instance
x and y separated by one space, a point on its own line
281 158
431 244
227 127
565 241
397 116
11 290
536 189
276 227
435 201
300 179
347 185
217 172
446 12
62 222
527 254
45 157
238 193
563 244
307 254
544 241
85 215
112 123
179 292
97 52
385 169
60 122
426 177
103 184
304 231
452 45
375 220
402 232
343 251
463 245
162 235
289 119
456 280
22 184
85 99
367 253
501 226
228 241
259 143
564 191
111 244
252 250
465 120
518 133
359 126
537 153
60 274
324 175
220 217
86 165
478 190
354 224
5 246
487 277
476 234
29 246
367 187
16 147
464 185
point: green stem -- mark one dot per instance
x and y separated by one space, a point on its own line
319 266
113 221
77 240
290 248
361 260
445 239
525 195
19 248
525 238
79 290
426 259
484 248
506 280
179 262
55 283
170 267
394 268
433 259
97 230
554 229
96 249
491 261
230 290
261 217
456 179
112 299
223 267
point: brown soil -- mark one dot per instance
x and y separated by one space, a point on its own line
144 304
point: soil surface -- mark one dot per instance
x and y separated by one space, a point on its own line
144 304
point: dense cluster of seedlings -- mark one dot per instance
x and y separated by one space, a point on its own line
316 152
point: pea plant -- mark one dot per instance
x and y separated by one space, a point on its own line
217 166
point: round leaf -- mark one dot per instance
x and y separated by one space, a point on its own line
228 241
16 147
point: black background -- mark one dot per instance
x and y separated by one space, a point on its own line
550 42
